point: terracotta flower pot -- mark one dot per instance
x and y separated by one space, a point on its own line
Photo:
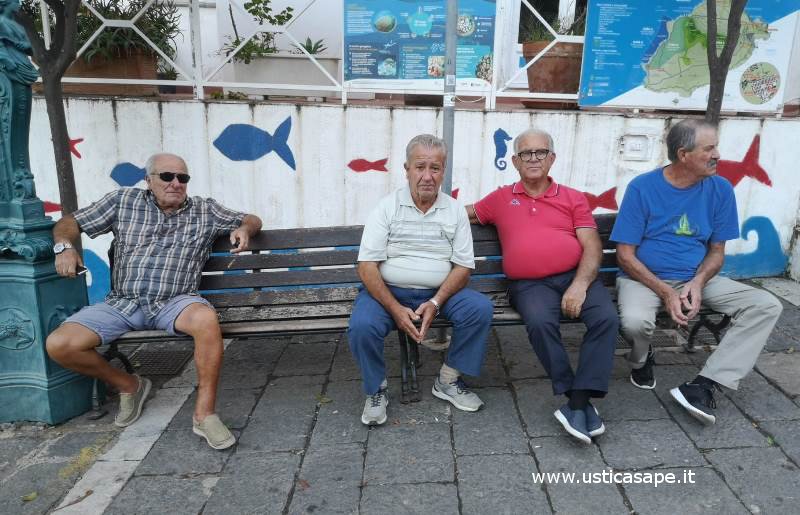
136 65
557 71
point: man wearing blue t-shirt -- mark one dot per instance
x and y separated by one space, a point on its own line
670 232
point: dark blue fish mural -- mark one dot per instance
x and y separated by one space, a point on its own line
500 148
768 258
244 142
127 174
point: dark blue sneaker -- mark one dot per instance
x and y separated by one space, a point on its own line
574 421
594 424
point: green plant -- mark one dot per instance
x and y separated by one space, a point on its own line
263 43
312 47
160 23
531 29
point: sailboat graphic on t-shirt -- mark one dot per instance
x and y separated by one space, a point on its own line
684 229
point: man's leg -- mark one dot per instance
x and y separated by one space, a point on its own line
72 345
597 351
193 315
471 314
753 313
638 306
539 304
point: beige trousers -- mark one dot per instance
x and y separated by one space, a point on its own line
753 314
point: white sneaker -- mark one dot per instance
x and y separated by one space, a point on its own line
375 408
457 394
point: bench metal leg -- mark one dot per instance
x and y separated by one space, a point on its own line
714 328
111 353
409 359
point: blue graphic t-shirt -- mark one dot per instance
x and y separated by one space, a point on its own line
672 226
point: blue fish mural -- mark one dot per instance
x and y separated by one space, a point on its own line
127 174
243 142
767 259
500 148
99 274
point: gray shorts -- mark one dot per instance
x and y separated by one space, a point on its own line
109 324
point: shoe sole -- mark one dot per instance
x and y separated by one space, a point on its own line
600 430
572 431
219 447
705 418
445 397
147 386
642 386
375 422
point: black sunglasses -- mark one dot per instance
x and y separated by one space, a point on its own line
183 178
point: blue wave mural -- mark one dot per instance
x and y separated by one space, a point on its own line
767 259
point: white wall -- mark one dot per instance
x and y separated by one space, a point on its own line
325 138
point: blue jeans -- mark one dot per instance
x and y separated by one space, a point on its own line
538 301
469 311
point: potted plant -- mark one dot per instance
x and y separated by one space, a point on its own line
120 53
559 69
260 61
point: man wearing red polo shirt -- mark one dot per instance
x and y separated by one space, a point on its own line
551 253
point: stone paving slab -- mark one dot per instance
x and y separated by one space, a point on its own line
339 416
762 401
256 350
233 408
284 415
499 484
629 445
13 449
536 405
562 454
732 429
781 368
494 429
433 498
161 494
329 480
181 452
47 480
238 375
97 488
409 454
786 435
638 404
518 356
254 483
305 359
787 289
708 494
429 409
764 479
493 372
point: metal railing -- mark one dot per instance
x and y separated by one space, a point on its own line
196 78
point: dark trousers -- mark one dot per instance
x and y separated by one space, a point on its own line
538 301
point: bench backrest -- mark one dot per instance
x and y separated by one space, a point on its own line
310 273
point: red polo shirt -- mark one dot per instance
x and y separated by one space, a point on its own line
537 234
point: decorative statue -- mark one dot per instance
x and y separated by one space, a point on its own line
16 76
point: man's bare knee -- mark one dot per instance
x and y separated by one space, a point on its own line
68 339
198 320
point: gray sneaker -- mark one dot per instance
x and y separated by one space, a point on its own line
457 394
375 407
131 404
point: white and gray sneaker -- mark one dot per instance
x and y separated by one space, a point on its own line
375 407
457 394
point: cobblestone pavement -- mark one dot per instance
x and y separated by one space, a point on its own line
295 406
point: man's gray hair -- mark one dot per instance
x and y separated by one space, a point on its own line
533 131
150 164
683 135
428 141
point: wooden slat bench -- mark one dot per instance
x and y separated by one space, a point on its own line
301 281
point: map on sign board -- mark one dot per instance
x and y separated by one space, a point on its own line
652 53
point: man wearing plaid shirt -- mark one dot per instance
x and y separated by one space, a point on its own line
163 239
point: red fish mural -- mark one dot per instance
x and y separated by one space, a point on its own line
606 200
51 207
454 193
73 147
362 165
735 171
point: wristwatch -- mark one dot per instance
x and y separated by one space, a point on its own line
435 304
60 247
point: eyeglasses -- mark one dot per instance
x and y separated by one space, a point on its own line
183 178
540 153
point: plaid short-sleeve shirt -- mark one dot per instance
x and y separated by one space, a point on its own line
157 255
